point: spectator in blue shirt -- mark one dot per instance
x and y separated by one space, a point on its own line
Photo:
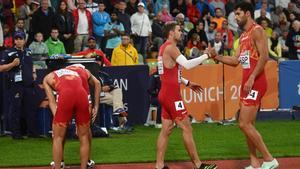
100 18
113 31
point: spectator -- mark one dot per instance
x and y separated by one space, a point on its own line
25 12
112 95
38 47
125 53
265 25
166 16
194 42
263 16
264 7
93 52
210 33
7 37
274 47
55 46
282 40
20 26
7 14
275 16
43 19
177 6
217 43
39 52
292 41
113 31
149 7
123 17
21 91
283 23
192 12
131 7
83 26
205 8
155 108
91 6
100 18
184 35
65 24
228 37
219 19
292 17
141 28
157 34
199 29
290 9
232 24
160 4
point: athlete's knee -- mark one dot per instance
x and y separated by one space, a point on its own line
166 131
243 125
187 128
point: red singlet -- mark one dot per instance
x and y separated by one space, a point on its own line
169 94
248 58
72 98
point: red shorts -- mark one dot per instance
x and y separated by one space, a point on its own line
69 103
253 98
172 107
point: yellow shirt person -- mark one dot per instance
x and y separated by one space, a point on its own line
125 54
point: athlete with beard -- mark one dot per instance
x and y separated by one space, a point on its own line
253 55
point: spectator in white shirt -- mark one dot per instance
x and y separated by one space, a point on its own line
141 28
83 26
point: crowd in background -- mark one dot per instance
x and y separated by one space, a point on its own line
130 32
65 26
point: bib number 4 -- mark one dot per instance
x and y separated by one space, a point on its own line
252 95
179 105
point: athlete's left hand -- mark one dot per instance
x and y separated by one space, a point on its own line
195 87
248 85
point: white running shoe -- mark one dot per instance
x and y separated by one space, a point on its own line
90 164
270 165
62 165
250 167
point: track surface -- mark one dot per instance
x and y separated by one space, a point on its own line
285 163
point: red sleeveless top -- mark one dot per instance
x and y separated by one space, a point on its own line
249 55
170 78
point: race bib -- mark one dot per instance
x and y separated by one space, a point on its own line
160 65
18 76
65 72
245 59
252 95
179 105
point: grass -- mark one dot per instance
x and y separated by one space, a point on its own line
213 142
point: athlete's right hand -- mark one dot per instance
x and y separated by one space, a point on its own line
211 51
195 87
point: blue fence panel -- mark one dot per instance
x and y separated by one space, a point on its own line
289 84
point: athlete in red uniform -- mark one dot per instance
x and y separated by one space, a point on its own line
72 98
170 61
87 79
253 55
